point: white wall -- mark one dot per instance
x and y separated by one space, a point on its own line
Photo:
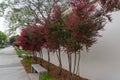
102 62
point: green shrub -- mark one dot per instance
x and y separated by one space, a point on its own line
1 47
28 61
20 51
46 78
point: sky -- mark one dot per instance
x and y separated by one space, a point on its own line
2 24
2 27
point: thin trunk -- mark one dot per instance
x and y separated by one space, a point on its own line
77 71
40 55
75 58
34 56
60 62
48 60
57 53
36 59
70 66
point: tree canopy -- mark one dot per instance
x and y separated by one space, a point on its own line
12 39
3 37
20 13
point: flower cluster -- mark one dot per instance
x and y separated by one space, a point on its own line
31 38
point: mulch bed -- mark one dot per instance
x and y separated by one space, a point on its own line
53 70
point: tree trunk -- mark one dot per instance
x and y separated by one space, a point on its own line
48 60
34 57
41 57
75 58
77 71
60 62
70 66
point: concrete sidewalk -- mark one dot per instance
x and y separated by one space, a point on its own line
10 66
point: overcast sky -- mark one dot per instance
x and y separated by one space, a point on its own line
2 24
2 27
